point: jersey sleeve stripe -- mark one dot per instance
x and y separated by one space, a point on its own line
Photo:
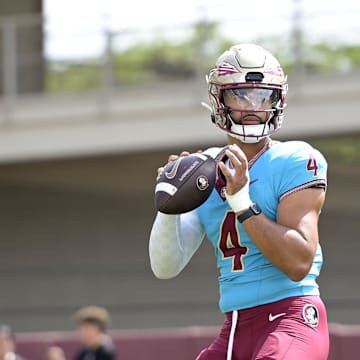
303 186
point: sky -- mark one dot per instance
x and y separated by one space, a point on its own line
74 28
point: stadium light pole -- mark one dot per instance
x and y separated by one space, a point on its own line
107 73
9 67
297 42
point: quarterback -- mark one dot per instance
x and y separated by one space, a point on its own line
261 218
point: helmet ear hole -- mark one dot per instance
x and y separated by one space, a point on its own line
213 120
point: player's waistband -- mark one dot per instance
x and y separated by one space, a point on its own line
289 305
237 296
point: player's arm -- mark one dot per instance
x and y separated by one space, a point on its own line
290 243
173 241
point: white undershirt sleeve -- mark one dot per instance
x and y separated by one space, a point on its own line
173 241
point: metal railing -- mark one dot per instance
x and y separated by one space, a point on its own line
28 70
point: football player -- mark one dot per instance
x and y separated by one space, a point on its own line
262 219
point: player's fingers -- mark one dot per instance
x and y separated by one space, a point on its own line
239 154
235 162
172 157
226 172
185 153
240 164
199 151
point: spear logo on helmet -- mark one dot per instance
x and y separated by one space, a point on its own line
226 68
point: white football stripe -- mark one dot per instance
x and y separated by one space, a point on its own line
200 156
166 187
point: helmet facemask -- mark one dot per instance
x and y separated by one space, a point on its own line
249 112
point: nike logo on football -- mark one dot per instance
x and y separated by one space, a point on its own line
274 317
253 181
172 173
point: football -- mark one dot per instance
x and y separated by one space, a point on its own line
185 183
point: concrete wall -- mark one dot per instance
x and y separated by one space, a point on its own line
75 232
169 114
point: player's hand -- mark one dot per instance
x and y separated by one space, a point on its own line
235 181
175 157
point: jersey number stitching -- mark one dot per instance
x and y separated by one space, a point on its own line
312 164
229 242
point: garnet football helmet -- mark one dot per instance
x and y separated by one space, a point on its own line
249 74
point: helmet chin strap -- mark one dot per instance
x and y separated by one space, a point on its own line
249 134
246 140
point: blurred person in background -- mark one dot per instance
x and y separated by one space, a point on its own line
7 344
93 322
55 353
262 219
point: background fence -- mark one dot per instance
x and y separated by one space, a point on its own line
37 58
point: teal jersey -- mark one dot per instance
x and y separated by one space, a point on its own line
247 278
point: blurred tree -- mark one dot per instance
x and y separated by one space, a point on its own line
191 57
67 77
166 59
329 57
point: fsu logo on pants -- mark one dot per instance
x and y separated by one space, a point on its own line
311 315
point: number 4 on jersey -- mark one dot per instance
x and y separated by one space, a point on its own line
312 164
229 242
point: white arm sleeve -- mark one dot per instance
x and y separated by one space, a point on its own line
173 241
